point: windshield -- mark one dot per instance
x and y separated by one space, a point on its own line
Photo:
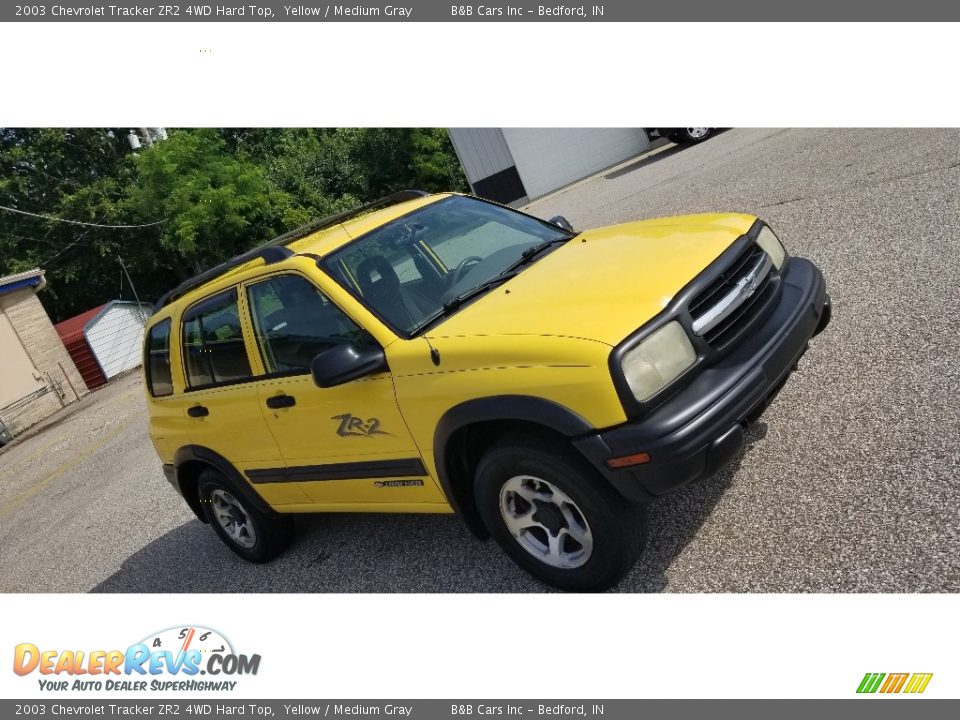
407 271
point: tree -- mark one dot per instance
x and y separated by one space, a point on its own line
212 194
330 169
75 174
214 204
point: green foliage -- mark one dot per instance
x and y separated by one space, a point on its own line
217 193
337 168
214 203
77 174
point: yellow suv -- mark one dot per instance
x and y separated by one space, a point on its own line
441 353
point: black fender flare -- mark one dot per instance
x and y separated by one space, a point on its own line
198 453
507 408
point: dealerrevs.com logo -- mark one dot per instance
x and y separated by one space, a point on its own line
172 659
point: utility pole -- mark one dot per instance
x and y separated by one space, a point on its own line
149 135
132 286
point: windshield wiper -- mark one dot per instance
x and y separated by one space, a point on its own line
531 252
508 272
454 303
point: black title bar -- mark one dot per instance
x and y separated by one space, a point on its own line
496 11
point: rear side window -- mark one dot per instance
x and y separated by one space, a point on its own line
213 347
293 321
158 360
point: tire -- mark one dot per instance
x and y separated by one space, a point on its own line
599 535
691 136
260 539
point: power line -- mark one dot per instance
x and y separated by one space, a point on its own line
77 222
75 242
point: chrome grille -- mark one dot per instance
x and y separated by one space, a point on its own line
733 300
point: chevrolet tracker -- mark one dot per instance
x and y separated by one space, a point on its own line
441 353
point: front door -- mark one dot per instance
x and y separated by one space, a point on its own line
346 447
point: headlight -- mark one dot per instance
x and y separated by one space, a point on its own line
772 246
658 360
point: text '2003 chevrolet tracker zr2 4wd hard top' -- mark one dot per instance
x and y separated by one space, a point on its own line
441 353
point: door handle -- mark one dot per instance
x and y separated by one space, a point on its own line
197 411
281 401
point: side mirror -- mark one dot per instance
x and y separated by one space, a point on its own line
561 222
343 363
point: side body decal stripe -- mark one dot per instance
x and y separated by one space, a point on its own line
407 467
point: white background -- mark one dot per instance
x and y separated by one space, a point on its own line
444 75
525 646
480 74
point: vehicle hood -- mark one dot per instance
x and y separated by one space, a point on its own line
603 284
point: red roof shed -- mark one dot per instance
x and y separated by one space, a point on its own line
72 334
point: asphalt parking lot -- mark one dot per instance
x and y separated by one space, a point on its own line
850 481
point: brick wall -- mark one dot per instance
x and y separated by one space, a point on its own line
32 325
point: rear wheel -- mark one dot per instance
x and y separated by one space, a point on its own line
245 530
556 517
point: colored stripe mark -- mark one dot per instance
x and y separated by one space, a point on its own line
894 682
918 682
870 682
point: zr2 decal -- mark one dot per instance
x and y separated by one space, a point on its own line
350 425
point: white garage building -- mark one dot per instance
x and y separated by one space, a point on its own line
512 165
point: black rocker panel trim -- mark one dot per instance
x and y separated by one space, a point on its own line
407 467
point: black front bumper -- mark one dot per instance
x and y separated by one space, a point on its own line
701 428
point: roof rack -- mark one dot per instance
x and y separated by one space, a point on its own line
276 250
331 220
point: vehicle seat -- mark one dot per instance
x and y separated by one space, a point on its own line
380 285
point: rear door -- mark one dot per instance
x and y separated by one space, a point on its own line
223 406
348 446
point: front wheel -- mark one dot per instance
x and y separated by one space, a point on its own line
556 517
245 530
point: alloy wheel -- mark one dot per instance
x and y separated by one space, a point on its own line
233 518
545 521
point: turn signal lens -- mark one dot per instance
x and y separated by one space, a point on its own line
629 460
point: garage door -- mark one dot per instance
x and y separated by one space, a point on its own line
549 158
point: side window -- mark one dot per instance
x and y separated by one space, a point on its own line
158 360
213 347
294 321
